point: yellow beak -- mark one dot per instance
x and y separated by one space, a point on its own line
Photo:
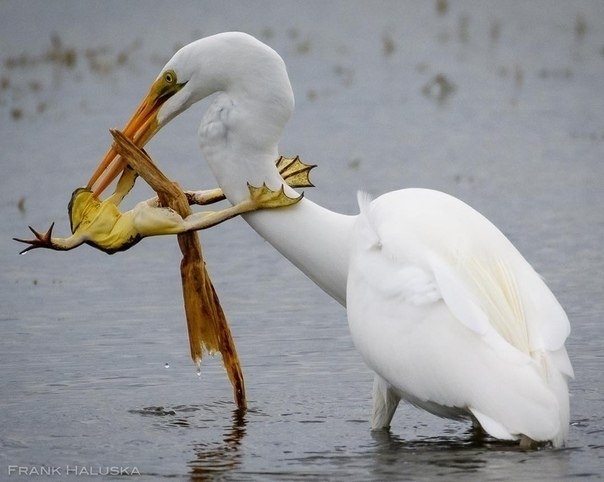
141 127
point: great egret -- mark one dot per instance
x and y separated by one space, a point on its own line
440 304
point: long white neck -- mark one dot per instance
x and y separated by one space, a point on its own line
313 238
239 135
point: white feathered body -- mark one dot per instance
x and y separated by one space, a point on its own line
440 304
445 310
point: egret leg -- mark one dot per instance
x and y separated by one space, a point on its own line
527 443
477 433
385 401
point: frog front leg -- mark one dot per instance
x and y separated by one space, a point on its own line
46 240
124 186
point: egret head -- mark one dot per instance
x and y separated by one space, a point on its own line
144 123
231 62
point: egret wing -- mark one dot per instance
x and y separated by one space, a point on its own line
483 279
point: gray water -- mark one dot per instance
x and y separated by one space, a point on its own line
498 103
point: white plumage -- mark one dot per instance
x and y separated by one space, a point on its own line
445 309
440 304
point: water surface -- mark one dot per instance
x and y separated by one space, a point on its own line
498 103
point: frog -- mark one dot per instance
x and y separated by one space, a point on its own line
102 225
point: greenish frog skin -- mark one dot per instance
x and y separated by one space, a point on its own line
102 225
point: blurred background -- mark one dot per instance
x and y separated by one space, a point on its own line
497 103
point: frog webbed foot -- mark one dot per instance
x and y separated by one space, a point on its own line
265 198
294 171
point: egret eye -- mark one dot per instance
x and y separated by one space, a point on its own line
170 77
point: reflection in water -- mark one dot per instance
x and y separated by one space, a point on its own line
454 453
223 456
512 140
471 454
471 439
212 457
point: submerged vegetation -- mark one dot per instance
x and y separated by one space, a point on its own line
27 80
